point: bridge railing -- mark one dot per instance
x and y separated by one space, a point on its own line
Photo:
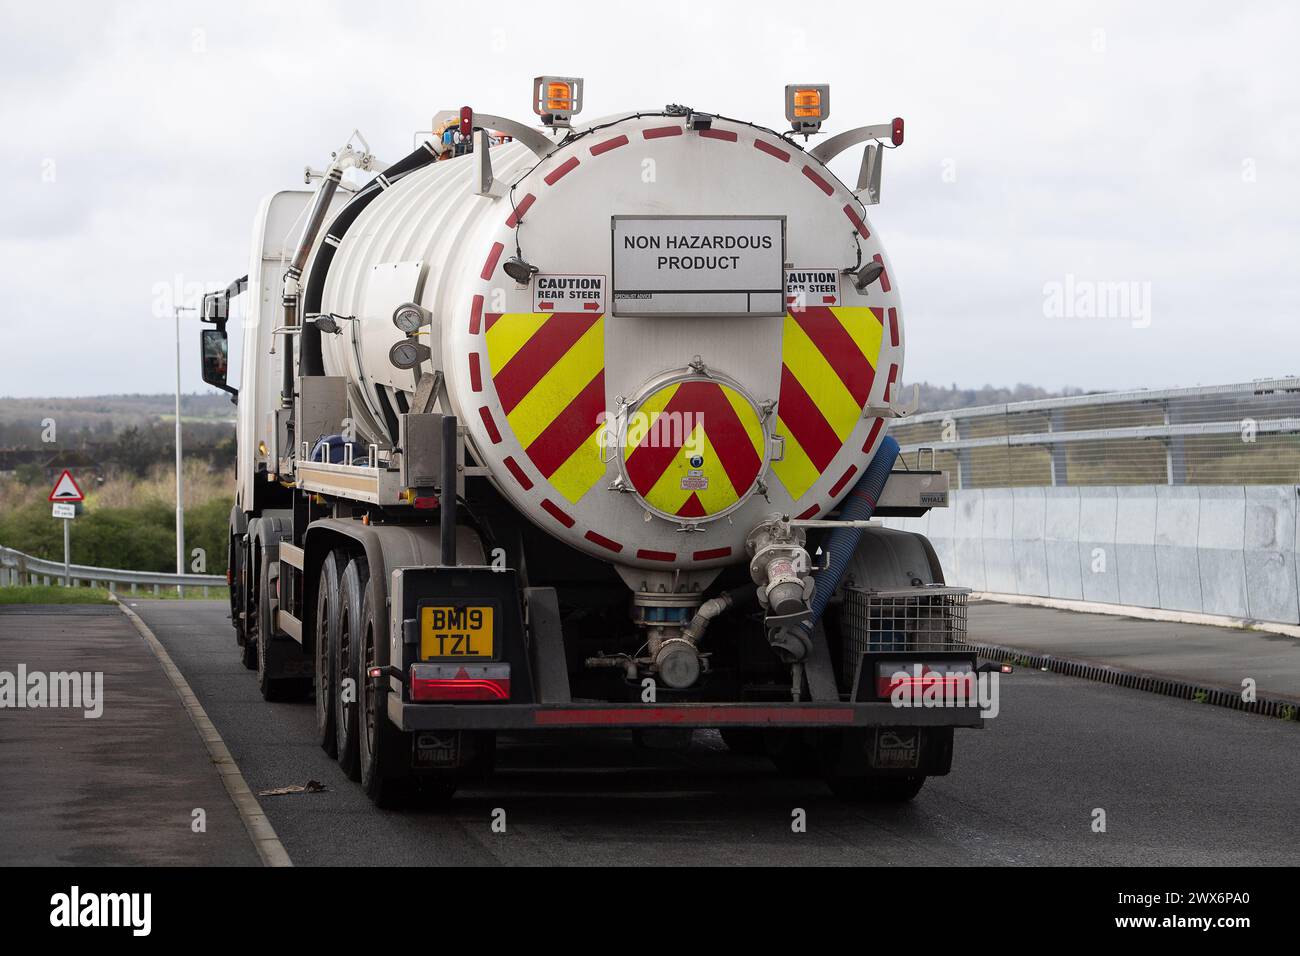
1179 499
1244 433
17 568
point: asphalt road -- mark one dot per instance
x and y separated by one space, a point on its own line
1179 782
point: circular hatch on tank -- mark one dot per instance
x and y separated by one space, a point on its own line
693 448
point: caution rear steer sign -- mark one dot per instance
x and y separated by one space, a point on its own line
674 265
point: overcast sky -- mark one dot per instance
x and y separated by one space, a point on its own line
1052 150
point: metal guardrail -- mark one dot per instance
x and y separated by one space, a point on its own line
17 568
1192 393
1247 432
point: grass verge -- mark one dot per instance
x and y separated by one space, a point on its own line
40 594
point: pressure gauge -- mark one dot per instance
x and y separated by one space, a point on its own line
410 317
408 354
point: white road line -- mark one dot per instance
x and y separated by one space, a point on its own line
259 828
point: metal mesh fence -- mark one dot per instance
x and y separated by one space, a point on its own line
1233 434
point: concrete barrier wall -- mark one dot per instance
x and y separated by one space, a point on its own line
1229 550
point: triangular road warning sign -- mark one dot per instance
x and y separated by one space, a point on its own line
65 489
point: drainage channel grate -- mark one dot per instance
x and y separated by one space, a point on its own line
1184 690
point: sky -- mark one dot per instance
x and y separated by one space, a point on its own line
1092 195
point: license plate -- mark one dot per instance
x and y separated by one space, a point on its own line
456 632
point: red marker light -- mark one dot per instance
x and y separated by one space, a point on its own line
896 131
467 122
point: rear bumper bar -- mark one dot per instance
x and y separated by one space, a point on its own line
551 716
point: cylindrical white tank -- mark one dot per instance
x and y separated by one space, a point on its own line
658 427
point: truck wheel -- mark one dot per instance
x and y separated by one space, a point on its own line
246 634
747 741
348 637
234 561
384 751
327 619
876 789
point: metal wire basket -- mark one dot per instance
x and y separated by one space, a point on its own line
927 618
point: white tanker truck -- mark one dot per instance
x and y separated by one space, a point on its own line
581 426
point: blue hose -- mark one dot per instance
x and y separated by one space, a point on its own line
841 543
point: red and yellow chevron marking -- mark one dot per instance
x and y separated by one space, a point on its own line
549 373
695 419
829 358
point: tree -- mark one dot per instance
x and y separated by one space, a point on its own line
135 450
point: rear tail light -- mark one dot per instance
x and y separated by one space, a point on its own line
944 677
444 683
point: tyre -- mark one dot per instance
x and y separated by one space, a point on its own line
747 741
876 789
384 752
234 562
326 627
243 604
347 644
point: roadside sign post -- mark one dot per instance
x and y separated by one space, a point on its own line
65 496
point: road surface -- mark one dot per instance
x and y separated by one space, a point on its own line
1179 783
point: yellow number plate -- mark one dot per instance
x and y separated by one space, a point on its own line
458 632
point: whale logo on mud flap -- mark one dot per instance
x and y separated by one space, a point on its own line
437 749
897 749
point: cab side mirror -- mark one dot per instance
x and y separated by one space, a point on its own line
216 358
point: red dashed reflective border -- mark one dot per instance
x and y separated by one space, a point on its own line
475 314
489 422
475 373
608 543
844 480
476 325
552 509
873 434
659 132
884 276
517 214
647 555
817 181
560 171
858 223
710 554
513 467
490 266
608 144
